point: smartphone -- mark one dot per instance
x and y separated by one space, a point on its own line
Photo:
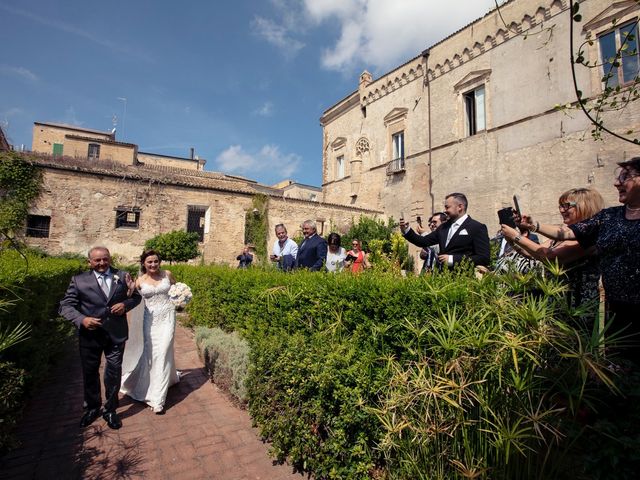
419 220
505 217
401 215
516 206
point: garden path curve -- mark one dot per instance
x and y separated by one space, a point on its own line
201 436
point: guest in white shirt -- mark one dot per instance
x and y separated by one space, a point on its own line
335 254
285 250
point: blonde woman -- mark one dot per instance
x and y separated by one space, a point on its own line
574 205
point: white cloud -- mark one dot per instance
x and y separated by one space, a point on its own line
19 72
265 110
11 112
277 35
269 159
379 34
70 117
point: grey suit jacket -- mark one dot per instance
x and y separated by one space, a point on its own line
85 298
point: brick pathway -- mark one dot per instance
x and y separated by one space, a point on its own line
201 436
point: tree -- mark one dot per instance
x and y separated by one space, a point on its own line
176 246
387 248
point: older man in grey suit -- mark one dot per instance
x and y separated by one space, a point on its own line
97 302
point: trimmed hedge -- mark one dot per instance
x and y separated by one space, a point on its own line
32 285
440 376
35 286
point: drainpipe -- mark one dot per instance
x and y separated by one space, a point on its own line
425 56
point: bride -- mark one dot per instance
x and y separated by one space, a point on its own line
149 366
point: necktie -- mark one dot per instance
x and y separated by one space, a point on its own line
102 281
452 230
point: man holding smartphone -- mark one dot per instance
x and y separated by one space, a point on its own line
458 238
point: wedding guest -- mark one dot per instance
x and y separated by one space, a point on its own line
96 302
430 254
312 252
581 264
357 260
155 370
615 232
285 250
245 258
459 238
336 254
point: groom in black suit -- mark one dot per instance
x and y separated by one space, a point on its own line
459 237
97 302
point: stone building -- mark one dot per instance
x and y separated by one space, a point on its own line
475 113
62 140
291 189
116 196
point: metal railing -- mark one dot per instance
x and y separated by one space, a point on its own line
395 166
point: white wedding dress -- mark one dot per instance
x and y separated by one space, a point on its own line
148 367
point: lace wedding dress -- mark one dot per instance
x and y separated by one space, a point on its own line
149 366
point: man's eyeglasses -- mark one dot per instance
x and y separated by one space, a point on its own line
563 207
625 175
433 223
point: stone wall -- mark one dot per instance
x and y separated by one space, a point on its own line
82 204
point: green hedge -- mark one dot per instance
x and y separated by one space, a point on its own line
31 287
35 286
441 376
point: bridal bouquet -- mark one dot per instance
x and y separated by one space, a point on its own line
180 294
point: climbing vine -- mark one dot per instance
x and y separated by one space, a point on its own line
20 184
256 224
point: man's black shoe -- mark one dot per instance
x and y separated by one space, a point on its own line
89 417
112 420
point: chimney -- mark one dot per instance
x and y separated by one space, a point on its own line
193 151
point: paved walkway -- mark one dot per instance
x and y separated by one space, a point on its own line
201 436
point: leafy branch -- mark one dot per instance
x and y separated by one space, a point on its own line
613 98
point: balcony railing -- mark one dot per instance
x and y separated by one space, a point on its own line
395 166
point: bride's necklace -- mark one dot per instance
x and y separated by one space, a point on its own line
637 209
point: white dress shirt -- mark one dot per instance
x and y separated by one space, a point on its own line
452 230
289 248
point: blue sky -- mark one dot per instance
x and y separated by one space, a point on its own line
243 82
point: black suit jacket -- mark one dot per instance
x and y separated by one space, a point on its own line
312 253
85 298
474 244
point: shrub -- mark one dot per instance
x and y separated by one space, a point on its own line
176 246
226 357
427 377
12 381
34 285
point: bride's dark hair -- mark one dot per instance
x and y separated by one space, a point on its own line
144 256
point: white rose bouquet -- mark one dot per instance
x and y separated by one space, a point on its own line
180 294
